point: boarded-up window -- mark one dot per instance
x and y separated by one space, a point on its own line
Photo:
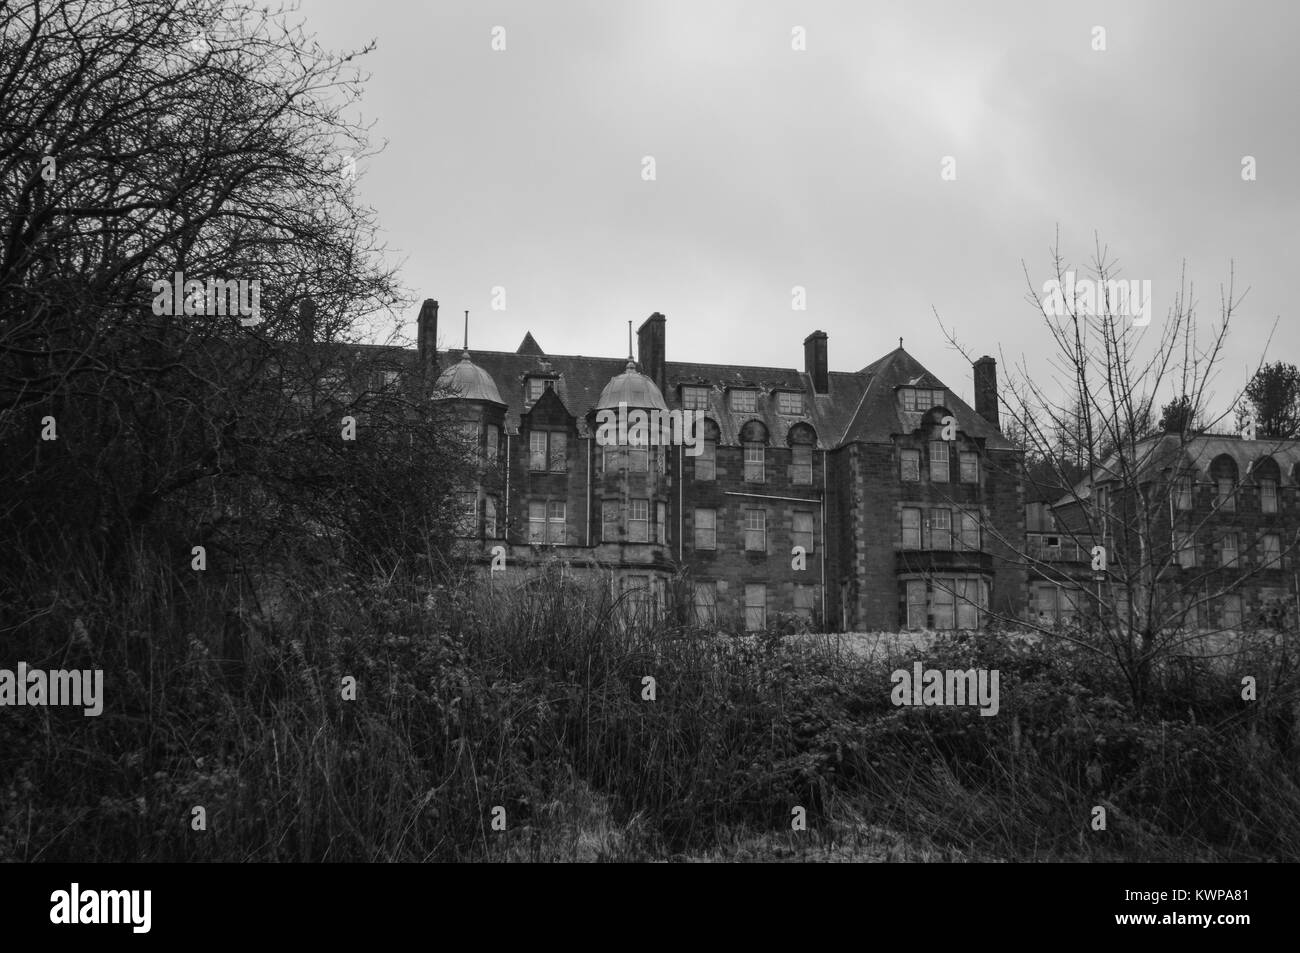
706 523
706 603
911 466
755 607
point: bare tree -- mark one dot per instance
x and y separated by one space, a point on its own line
150 144
1122 494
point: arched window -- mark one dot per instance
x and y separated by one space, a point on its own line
802 439
753 438
1267 475
1223 473
706 463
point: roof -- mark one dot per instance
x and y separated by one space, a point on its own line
465 380
840 416
1156 455
631 389
880 415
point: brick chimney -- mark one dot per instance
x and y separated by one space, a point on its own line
426 336
306 321
650 350
814 361
986 389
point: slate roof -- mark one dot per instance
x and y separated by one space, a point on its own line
1162 452
859 406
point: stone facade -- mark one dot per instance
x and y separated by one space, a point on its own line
903 501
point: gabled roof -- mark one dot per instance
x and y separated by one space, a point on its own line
880 413
529 345
839 416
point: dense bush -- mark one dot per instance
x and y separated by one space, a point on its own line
533 700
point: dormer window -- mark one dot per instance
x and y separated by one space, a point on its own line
537 386
920 399
790 403
695 398
744 401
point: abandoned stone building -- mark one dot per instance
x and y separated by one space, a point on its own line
1223 515
872 499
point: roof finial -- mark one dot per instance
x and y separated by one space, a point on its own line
900 344
464 354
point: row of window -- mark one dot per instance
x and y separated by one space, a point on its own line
740 399
946 602
548 523
940 528
640 594
1228 548
706 603
1054 603
744 400
706 529
1225 494
940 464
917 399
546 452
637 526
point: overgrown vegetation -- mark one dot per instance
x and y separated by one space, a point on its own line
533 700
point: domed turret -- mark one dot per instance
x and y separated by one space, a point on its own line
633 389
465 380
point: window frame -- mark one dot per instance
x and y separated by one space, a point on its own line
638 533
750 392
754 606
695 397
1269 484
551 522
938 475
712 528
798 468
749 447
810 533
710 604
788 398
963 458
610 508
903 527
913 455
940 517
1235 549
760 529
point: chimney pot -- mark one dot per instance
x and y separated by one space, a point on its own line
426 336
814 361
986 389
650 350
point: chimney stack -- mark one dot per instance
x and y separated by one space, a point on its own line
426 336
814 361
650 350
986 389
306 321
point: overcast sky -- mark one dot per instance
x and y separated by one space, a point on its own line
523 168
